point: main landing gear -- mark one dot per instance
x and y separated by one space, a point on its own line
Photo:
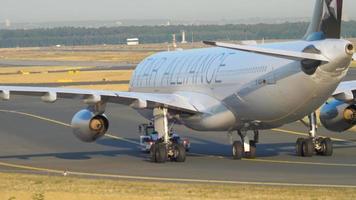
245 148
306 147
161 152
164 149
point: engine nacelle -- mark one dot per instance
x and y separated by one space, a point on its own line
338 116
89 127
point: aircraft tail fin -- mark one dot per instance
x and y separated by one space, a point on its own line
326 21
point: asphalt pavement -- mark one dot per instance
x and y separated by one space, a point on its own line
35 137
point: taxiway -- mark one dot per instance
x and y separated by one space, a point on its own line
35 137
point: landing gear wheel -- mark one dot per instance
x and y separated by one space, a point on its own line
237 150
180 153
308 147
252 153
299 147
161 153
327 147
153 153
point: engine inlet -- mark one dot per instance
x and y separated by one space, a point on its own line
96 124
350 115
350 49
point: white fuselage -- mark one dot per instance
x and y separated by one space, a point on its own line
236 90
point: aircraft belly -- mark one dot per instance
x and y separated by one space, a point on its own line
221 120
287 100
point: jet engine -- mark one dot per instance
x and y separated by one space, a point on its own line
310 66
338 116
88 127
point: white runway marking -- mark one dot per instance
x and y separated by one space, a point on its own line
147 178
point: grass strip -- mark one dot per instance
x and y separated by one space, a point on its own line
22 186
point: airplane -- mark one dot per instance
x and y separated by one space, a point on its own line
240 89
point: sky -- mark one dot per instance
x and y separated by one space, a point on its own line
81 10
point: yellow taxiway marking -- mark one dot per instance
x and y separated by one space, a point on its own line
202 155
147 178
280 161
302 163
63 124
303 134
122 139
36 117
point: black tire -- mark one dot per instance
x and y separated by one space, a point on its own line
327 147
237 150
161 153
180 151
153 153
308 147
299 147
252 153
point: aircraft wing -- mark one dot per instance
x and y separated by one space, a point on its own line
346 91
133 99
271 52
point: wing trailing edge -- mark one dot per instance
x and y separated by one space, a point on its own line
293 55
133 99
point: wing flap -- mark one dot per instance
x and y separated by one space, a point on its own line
293 55
133 99
345 91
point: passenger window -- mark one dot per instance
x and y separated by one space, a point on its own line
222 66
142 69
166 76
182 69
200 70
153 74
175 68
194 68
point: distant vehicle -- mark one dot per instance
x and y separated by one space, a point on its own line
150 136
132 41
